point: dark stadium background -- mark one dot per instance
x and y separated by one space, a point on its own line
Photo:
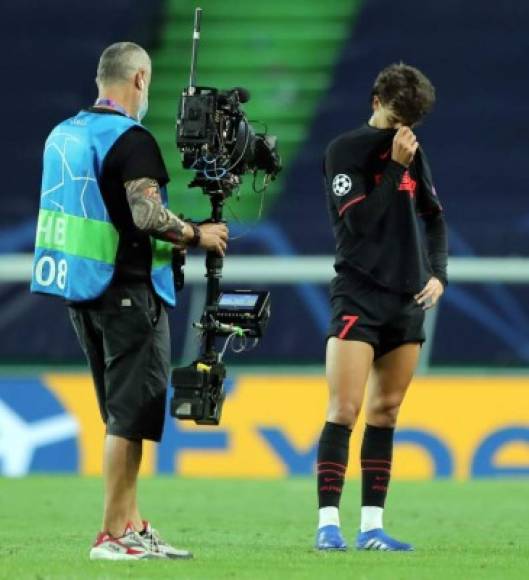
310 73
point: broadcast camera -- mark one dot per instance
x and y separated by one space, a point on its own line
218 143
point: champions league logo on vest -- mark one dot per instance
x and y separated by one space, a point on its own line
76 243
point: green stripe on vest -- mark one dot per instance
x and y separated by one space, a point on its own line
77 236
162 253
87 238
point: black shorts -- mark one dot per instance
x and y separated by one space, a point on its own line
125 337
363 311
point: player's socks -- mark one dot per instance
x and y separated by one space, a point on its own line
376 455
328 516
375 459
371 518
333 454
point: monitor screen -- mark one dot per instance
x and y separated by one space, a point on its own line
238 300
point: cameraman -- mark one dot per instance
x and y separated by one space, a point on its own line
104 243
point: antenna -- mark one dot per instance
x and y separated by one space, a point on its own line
194 53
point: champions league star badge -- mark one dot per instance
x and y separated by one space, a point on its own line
341 184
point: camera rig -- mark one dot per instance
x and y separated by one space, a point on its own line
220 145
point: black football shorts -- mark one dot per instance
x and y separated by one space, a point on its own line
364 311
125 337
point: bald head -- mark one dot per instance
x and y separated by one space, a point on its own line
120 62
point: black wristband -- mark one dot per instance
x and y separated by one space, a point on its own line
195 240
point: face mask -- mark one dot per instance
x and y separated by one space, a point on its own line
144 107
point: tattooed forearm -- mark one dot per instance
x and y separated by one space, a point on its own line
148 212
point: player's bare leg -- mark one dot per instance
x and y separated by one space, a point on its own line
391 376
347 364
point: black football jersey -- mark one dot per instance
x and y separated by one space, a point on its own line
375 205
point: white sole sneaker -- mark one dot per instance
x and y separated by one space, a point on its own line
130 546
105 554
152 539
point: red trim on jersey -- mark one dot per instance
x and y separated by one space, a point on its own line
350 203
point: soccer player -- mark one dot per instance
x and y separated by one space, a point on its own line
378 184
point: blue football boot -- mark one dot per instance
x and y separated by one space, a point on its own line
378 540
330 538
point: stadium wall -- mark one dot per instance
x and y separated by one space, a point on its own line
50 423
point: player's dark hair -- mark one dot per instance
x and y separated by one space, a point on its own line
406 91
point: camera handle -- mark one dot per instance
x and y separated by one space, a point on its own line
199 393
214 265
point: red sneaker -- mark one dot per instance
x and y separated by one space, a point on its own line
130 546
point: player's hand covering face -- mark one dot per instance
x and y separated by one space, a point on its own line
405 146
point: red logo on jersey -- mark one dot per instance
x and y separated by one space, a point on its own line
385 155
407 183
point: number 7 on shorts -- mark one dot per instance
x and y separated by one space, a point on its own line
349 323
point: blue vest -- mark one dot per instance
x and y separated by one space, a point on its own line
76 243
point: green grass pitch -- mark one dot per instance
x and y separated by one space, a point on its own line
265 529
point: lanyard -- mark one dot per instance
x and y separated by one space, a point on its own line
111 104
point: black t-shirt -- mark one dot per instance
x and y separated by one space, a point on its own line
134 155
374 204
